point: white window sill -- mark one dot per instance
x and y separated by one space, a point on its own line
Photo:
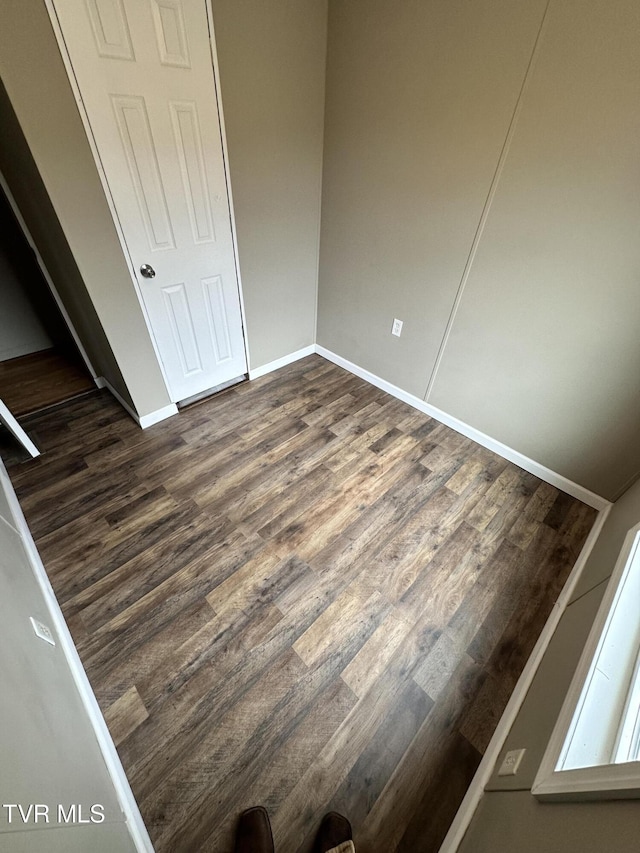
593 750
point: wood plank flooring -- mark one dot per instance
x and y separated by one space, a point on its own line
33 382
300 593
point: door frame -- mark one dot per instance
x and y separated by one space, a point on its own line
62 47
45 274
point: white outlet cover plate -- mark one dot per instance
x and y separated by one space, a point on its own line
396 328
511 762
43 631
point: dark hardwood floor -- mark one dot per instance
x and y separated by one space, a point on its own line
300 593
42 379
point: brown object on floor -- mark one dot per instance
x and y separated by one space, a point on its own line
334 831
34 382
301 593
253 833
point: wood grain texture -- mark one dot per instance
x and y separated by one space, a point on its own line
300 593
33 382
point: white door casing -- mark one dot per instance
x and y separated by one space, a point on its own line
145 75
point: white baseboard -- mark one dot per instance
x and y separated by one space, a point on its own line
143 421
9 421
101 382
157 416
492 753
256 373
491 756
546 474
127 801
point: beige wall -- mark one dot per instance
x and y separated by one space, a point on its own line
272 69
48 749
21 329
419 99
272 60
543 353
528 827
509 817
37 85
544 350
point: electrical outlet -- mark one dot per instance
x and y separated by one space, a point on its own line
511 762
396 329
43 631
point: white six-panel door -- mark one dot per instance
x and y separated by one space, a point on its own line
145 75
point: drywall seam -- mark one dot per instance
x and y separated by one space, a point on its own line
487 205
475 791
558 480
626 486
587 591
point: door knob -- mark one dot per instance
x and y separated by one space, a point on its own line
147 271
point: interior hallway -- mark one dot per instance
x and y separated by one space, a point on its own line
301 593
